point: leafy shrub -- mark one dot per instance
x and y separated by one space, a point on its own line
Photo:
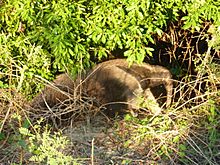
47 147
199 11
65 34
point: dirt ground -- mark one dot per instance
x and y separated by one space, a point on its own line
94 140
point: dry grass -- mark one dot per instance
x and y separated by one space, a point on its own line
178 134
185 133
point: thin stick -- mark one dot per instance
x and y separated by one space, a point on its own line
92 154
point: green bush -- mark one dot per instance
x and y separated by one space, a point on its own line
42 37
47 148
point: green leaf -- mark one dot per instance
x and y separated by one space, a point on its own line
176 139
26 124
24 131
103 39
71 52
149 51
128 53
2 136
182 147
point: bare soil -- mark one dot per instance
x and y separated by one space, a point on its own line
95 142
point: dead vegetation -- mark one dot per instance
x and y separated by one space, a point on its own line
99 139
185 133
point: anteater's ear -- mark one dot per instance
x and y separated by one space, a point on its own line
139 72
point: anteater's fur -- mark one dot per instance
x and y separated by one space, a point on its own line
109 82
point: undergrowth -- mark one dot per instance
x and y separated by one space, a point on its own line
187 132
42 38
46 147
